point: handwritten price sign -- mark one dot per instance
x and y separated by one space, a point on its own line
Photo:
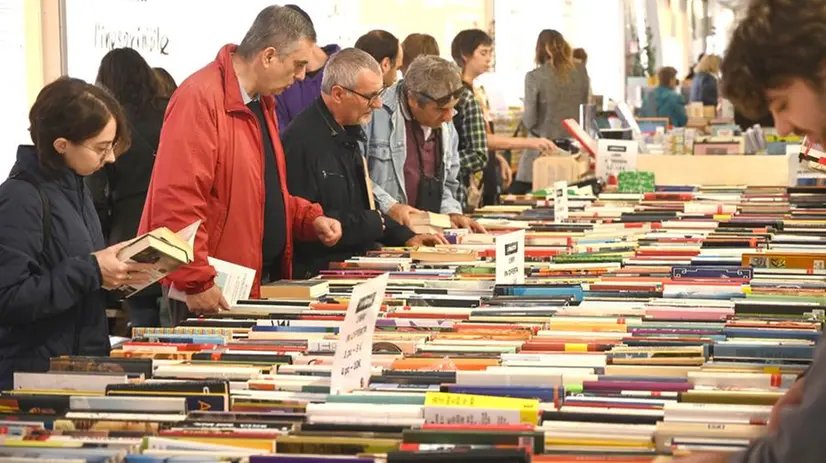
353 359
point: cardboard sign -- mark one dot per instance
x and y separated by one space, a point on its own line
510 258
615 156
560 201
354 351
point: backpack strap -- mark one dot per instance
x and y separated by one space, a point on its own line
47 207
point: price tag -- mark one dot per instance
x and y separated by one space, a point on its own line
560 201
510 258
354 351
615 156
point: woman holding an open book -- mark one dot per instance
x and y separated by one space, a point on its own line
53 264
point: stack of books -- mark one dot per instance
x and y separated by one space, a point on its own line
648 326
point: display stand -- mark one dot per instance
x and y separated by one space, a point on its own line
751 170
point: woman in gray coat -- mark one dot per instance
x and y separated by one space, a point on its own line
553 93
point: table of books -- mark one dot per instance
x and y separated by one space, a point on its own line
648 326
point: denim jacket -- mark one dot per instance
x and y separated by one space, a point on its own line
386 151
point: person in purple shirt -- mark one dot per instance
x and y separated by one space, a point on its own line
303 93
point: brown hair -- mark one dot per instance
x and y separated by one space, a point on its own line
777 41
666 75
167 82
580 54
415 45
380 45
125 73
72 109
551 47
465 44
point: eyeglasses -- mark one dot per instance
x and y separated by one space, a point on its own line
371 99
444 100
101 152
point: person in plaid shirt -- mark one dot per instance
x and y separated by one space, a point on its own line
472 50
473 146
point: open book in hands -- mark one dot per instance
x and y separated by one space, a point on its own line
163 249
234 280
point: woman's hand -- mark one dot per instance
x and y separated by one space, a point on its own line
116 273
507 172
543 145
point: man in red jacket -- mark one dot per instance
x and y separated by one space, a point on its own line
220 161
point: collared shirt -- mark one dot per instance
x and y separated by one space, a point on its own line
473 139
425 145
275 216
408 116
386 154
245 96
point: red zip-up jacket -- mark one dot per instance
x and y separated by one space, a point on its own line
210 167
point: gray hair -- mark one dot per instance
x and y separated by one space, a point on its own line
278 27
433 76
344 67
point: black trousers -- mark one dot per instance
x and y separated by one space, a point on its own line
520 188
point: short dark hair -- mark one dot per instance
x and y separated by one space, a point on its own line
379 44
666 75
466 42
75 110
417 44
301 11
128 76
278 27
777 41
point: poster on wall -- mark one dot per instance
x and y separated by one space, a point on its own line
181 36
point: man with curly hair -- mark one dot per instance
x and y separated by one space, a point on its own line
776 63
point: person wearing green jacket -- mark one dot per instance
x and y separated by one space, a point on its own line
664 101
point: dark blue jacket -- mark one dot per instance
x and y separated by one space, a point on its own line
704 89
51 302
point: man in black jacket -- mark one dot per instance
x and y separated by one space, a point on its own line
325 164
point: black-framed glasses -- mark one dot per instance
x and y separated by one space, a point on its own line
444 100
371 99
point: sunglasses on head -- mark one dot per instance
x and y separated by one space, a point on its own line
443 100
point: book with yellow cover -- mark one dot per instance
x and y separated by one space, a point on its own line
448 408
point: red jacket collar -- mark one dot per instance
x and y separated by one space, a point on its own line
232 90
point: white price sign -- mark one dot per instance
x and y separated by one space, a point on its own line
615 156
354 351
510 258
560 201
